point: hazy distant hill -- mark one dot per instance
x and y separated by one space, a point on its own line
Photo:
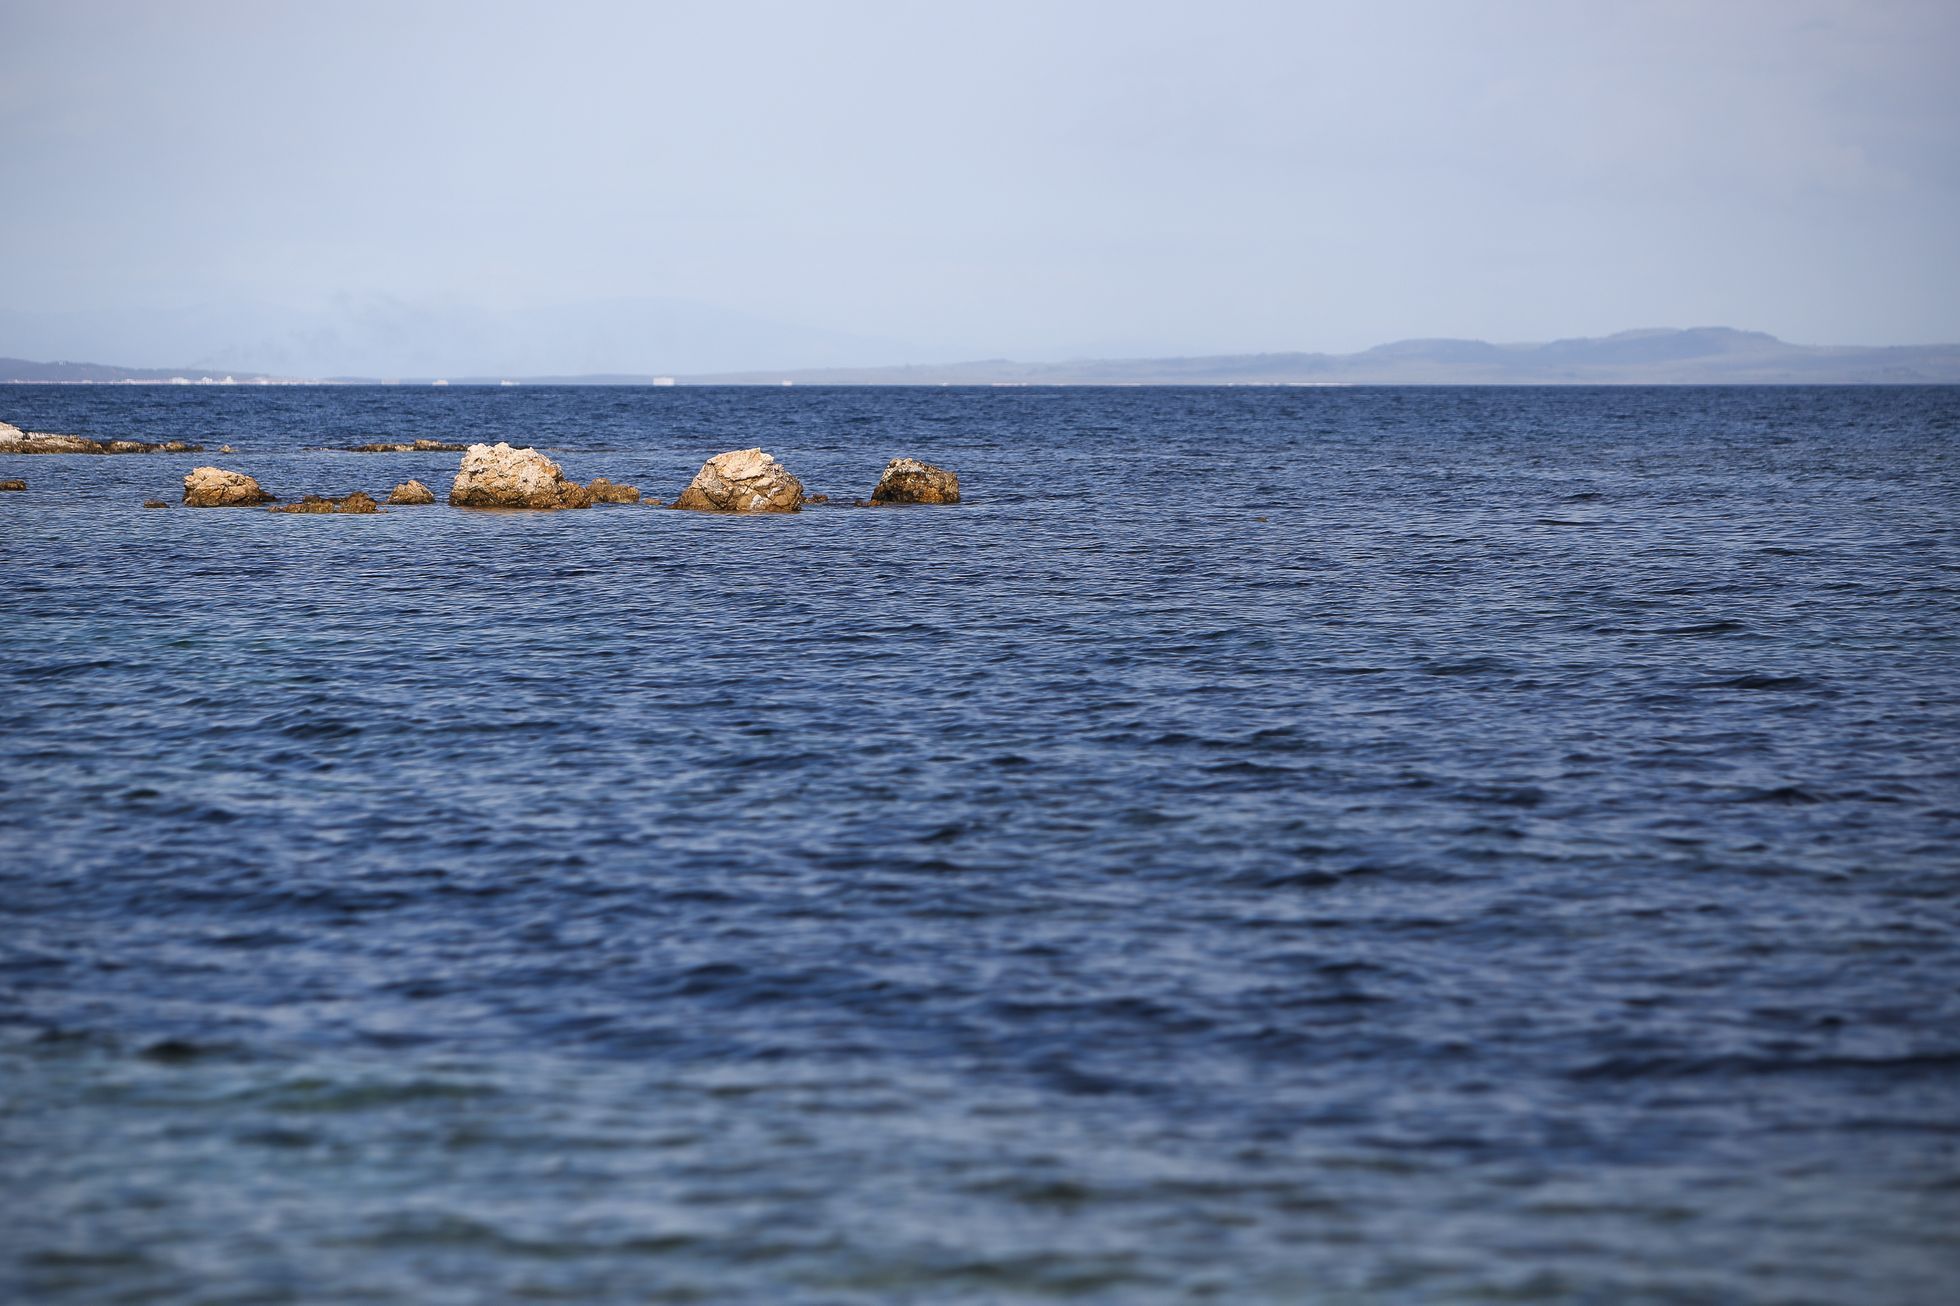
20 371
1700 356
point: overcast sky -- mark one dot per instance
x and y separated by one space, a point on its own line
399 188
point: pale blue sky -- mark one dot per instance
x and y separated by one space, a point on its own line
525 188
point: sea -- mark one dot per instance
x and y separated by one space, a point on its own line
1337 845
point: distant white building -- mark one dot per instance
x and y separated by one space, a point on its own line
663 380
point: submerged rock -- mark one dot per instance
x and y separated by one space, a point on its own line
604 491
358 501
155 503
746 480
404 446
498 476
15 486
413 492
907 480
15 440
214 487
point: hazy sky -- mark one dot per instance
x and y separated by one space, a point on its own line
407 188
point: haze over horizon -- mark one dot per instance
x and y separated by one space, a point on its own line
366 189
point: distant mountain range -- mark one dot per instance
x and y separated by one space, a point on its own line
1700 356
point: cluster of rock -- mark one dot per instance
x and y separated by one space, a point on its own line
312 503
15 440
214 487
404 446
604 491
907 480
747 480
498 476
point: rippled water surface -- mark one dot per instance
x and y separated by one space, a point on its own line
1266 845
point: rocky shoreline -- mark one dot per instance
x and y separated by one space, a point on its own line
741 481
15 440
500 476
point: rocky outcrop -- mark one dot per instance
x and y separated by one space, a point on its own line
411 492
747 480
214 487
313 503
15 440
155 503
604 491
13 486
907 480
404 446
498 476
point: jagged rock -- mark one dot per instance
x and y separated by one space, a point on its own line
818 498
498 476
15 440
604 491
747 480
15 486
411 492
406 446
358 501
907 480
225 448
155 503
214 487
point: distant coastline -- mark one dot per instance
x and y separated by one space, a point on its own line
1696 356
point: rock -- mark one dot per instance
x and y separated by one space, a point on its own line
15 486
818 498
155 503
405 446
604 491
411 492
358 501
213 487
907 480
652 503
225 448
747 480
498 476
15 440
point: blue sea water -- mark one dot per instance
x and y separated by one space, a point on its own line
1376 845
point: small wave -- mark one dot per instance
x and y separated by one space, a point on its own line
1706 628
1755 681
1663 1067
1783 795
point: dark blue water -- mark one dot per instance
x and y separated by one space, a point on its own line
1267 845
